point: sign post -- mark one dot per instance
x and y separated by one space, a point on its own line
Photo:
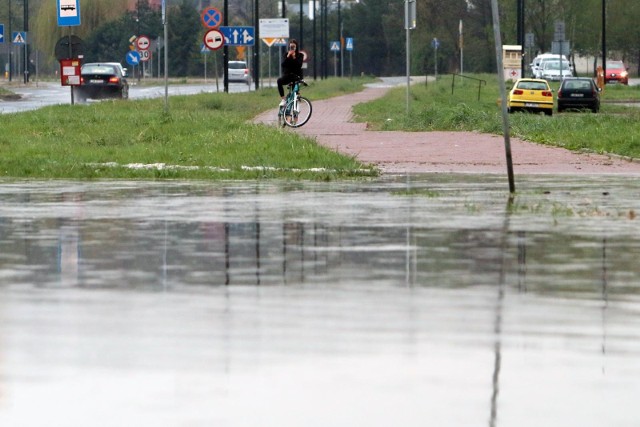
68 16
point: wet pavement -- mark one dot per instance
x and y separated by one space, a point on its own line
408 300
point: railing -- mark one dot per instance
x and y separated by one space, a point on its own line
480 83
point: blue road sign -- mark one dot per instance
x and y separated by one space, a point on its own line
1 33
435 43
238 36
68 13
19 37
133 58
334 46
349 43
211 17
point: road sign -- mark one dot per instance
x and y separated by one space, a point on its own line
1 33
133 58
145 55
211 17
280 42
238 36
349 43
435 43
214 39
334 46
19 37
68 13
143 43
69 47
274 28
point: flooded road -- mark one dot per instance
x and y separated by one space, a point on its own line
405 301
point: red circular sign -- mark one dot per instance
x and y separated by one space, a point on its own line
143 42
213 39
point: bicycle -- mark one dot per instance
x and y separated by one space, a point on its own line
297 109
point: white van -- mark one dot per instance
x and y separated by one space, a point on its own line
538 63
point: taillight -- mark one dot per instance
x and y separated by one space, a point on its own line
547 93
246 71
81 80
518 92
114 80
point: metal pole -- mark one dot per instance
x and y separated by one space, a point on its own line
166 56
315 71
11 43
256 49
604 40
225 50
503 93
408 48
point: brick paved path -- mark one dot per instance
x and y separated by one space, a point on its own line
400 152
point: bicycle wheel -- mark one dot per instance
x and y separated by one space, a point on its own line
297 113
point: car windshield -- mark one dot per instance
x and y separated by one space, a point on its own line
532 85
237 65
614 64
98 69
555 65
576 84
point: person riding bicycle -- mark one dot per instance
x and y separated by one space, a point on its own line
291 68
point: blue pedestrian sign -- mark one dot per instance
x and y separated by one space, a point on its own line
349 43
133 58
334 46
1 33
19 37
238 36
68 13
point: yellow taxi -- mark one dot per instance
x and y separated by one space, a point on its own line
531 95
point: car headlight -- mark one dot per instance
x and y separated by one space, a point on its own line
624 74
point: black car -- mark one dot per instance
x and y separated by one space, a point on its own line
578 93
99 80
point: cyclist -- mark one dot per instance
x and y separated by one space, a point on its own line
291 68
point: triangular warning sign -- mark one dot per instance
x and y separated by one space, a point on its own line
19 39
268 41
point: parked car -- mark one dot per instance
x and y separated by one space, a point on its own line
531 95
99 80
239 72
555 70
617 72
538 63
578 93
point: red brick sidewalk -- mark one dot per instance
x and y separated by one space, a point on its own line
400 152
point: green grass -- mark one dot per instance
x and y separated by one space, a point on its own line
205 136
434 107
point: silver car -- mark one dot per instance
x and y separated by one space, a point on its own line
239 72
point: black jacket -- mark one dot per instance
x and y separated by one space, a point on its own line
292 65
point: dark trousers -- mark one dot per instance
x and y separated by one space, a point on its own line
285 80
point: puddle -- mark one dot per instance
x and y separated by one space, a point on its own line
403 301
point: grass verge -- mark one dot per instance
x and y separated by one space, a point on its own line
433 107
205 136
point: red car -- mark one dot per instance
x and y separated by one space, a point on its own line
616 72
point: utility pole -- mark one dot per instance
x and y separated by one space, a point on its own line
604 40
26 44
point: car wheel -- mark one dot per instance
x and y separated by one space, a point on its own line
549 112
124 93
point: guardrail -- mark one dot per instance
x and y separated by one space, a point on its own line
480 83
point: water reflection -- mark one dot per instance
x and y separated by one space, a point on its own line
409 289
